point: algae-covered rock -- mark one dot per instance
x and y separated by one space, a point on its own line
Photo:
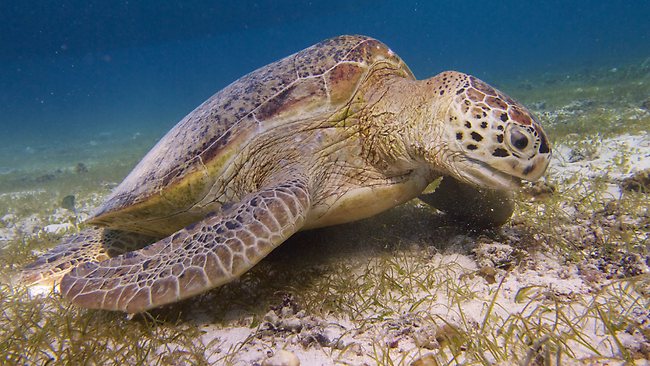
639 182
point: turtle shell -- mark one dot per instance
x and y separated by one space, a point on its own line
185 164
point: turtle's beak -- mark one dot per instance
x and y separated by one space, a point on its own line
482 175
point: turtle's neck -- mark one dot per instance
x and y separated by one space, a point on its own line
399 124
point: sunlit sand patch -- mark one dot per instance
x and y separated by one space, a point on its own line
42 290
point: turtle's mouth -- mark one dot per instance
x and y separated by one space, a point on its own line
480 174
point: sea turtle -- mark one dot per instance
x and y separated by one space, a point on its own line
335 133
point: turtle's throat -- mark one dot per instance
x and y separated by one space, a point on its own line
425 133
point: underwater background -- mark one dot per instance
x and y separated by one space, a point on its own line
88 87
82 81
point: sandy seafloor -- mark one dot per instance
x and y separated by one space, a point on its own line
566 280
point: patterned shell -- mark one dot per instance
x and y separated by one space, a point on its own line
315 81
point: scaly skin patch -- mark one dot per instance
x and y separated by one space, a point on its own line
201 256
334 133
90 245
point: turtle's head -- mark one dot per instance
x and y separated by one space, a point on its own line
493 141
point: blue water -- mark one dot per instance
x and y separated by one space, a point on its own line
74 71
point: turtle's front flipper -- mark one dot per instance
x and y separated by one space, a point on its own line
476 206
207 254
90 245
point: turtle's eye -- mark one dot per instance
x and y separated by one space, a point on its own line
518 139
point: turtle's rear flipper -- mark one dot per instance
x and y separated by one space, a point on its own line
202 256
90 245
476 206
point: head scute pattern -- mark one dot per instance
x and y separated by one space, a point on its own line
491 127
